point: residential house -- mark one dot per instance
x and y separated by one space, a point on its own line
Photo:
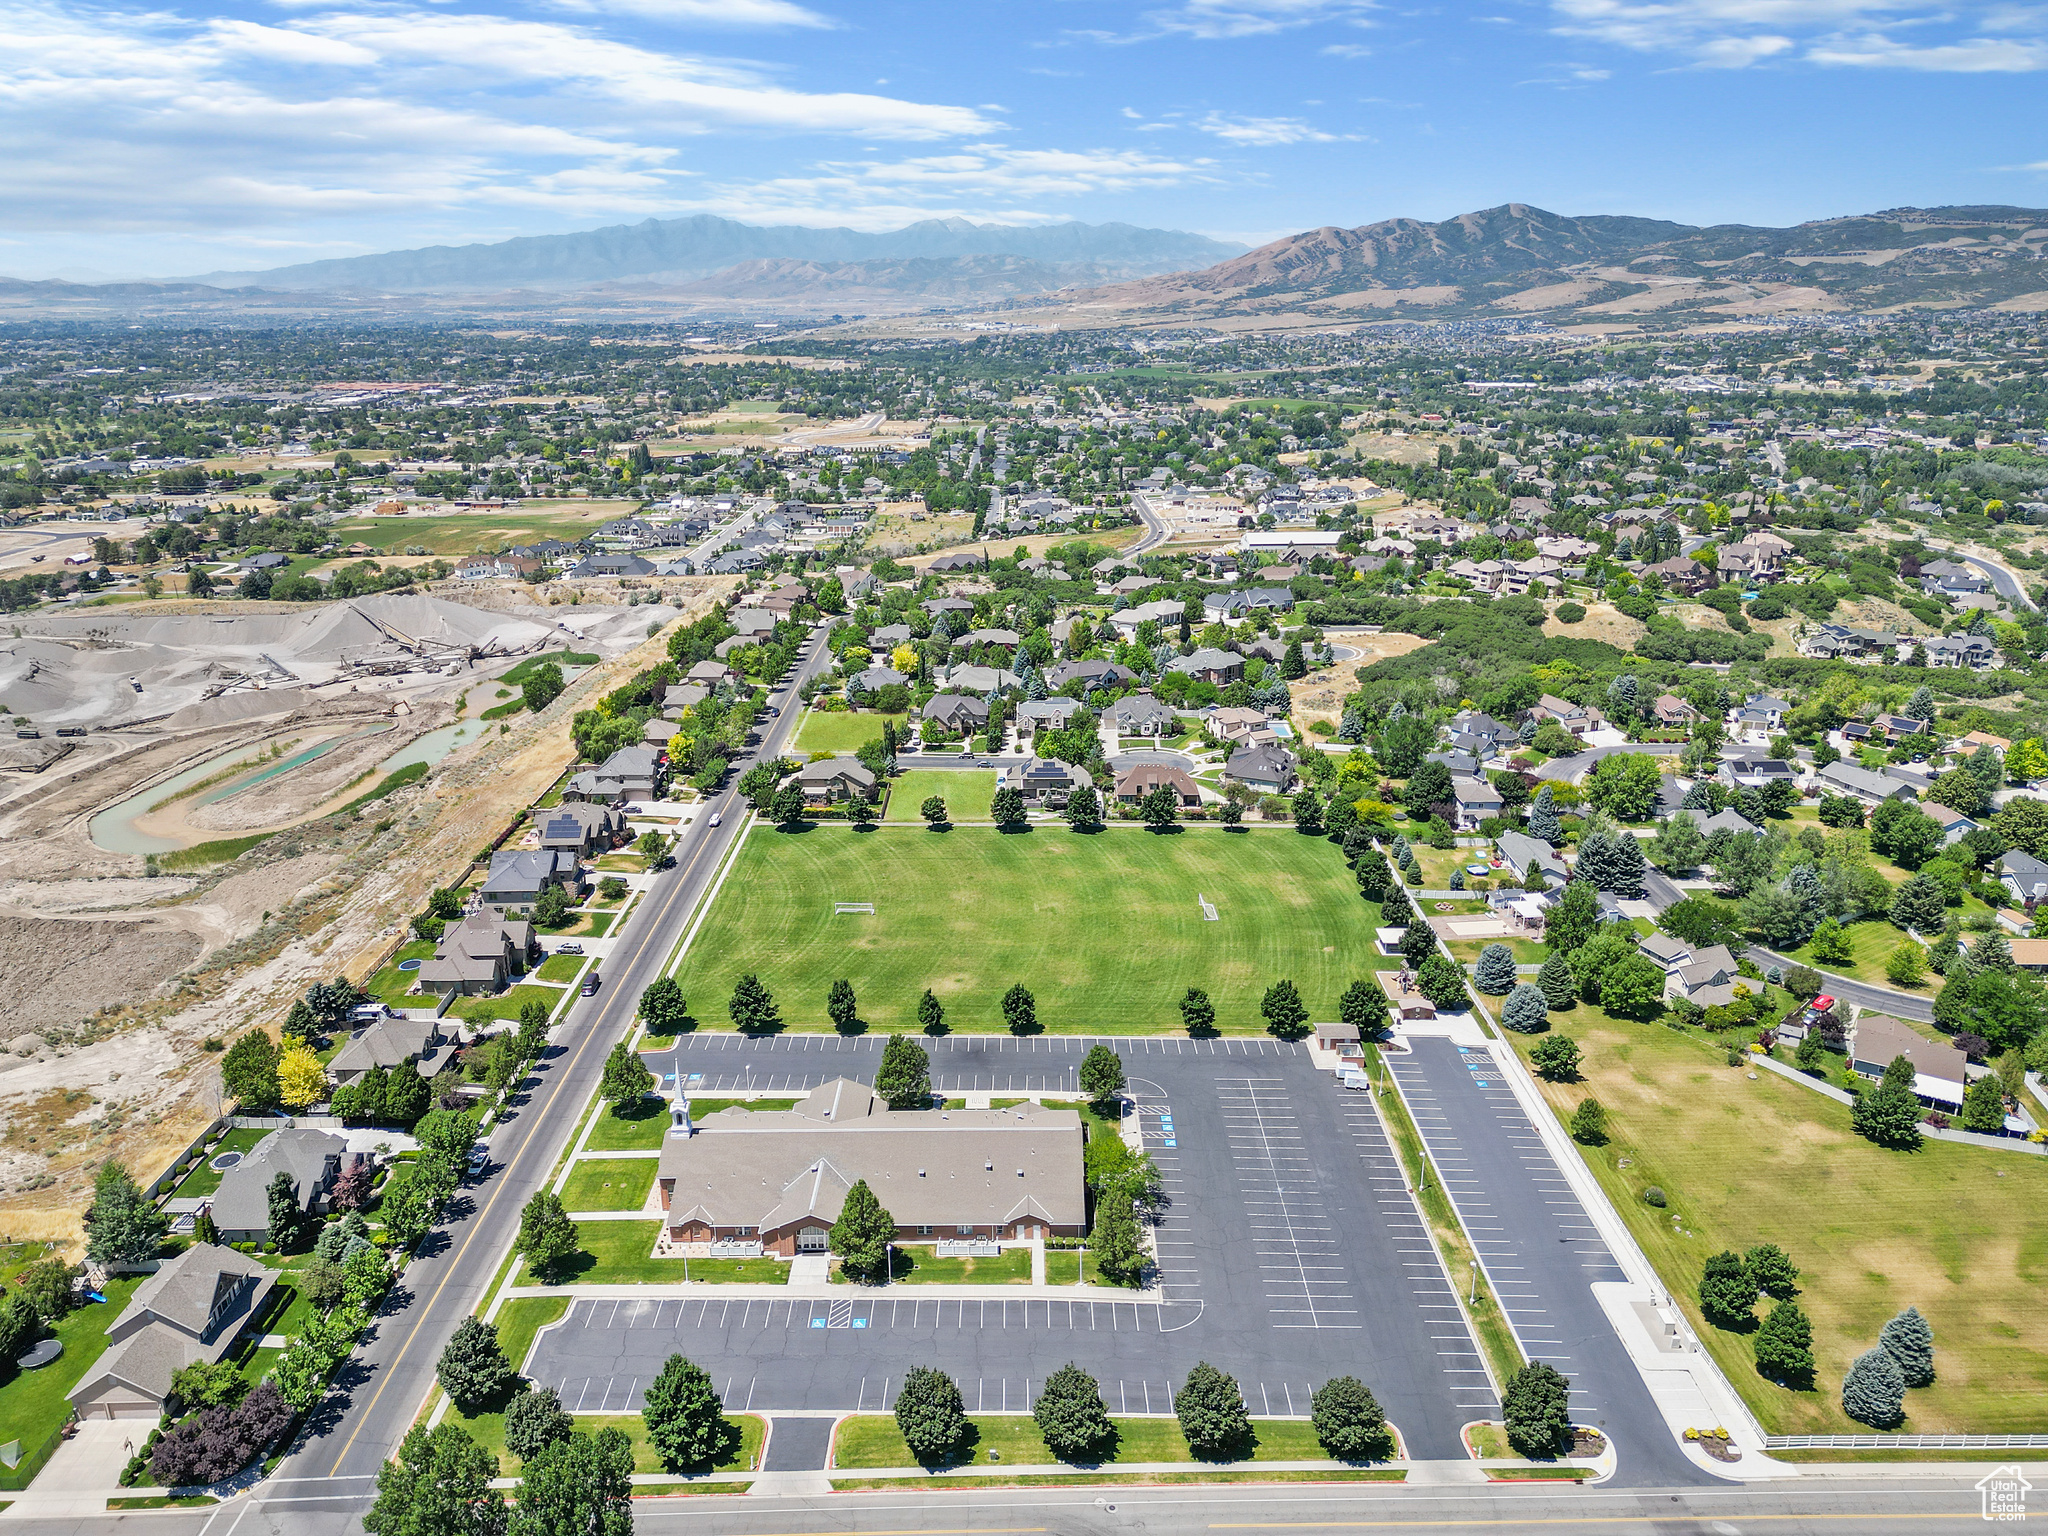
1941 1073
1238 725
477 955
1672 712
1044 781
313 1160
1731 820
1246 603
1954 825
394 1041
610 564
886 637
1902 727
869 679
631 773
778 1178
711 674
1265 770
2031 955
950 606
1140 714
956 562
1755 772
1141 779
1002 639
582 827
1209 665
1521 853
2025 876
1682 574
752 623
518 877
1166 614
1945 578
190 1312
1087 676
1848 779
958 713
983 680
1473 800
1576 718
1049 714
1707 977
835 779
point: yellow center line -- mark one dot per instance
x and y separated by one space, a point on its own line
480 1222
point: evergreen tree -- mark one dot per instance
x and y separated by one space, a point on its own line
1197 1013
1919 904
626 1079
1772 1269
473 1370
1699 797
1910 1343
1874 1391
1525 1010
1418 944
1921 705
904 1078
1611 861
1494 974
840 1006
1992 952
1114 1240
1589 1122
929 1414
1285 1014
1559 987
1727 1291
1212 1413
685 1422
1984 1107
1364 1007
287 1219
1071 1416
862 1234
536 1420
1543 822
753 1007
1020 1011
547 1237
931 1017
1536 1410
122 1226
1349 1422
1784 1345
1888 1115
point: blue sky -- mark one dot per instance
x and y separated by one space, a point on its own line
177 136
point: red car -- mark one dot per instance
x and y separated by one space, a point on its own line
1821 1005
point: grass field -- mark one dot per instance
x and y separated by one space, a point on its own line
967 795
32 1404
506 1004
467 533
609 1184
488 1430
1872 944
1103 928
843 732
915 1265
1873 1231
873 1440
561 967
645 1129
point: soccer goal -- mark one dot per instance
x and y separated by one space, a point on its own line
841 908
1208 907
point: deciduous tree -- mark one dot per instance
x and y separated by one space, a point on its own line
1536 1410
752 1007
929 1414
1071 1416
862 1234
904 1078
1212 1413
1020 1010
439 1484
1285 1014
473 1370
1556 1058
685 1421
1197 1013
1349 1422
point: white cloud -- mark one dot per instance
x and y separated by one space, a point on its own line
707 13
1212 19
1735 34
1978 55
1263 132
1347 51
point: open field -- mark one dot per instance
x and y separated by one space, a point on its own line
967 795
844 732
1103 929
465 533
1873 1231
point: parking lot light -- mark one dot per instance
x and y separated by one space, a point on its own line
1473 1300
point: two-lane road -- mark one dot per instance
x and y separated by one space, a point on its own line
457 1262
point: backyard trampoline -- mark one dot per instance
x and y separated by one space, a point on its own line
225 1161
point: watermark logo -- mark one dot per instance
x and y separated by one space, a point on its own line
2005 1494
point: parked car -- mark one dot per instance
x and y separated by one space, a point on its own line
590 984
479 1160
571 948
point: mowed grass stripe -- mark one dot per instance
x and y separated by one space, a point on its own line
1103 929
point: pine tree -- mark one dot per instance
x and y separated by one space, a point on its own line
1543 822
1349 1422
931 1016
1494 974
1525 1010
1992 952
1874 1391
1888 1115
287 1218
862 1234
1984 1107
904 1078
1020 1011
1286 1016
121 1225
1589 1122
472 1369
753 1007
1772 1269
1536 1410
685 1421
1559 987
1197 1013
1910 1343
1784 1345
840 1006
1212 1413
1071 1416
1921 705
929 1414
1572 920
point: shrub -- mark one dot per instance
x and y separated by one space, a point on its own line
1570 613
1653 1195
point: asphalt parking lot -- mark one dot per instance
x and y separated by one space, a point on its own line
1539 1250
1291 1252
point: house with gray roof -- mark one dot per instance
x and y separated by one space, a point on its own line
1731 820
887 637
1848 779
1050 714
1140 714
958 713
752 623
869 679
189 1312
518 876
979 679
631 773
1519 851
313 1159
395 1041
1473 800
1044 781
1264 769
2023 875
1089 675
476 956
835 779
583 827
780 1177
1209 665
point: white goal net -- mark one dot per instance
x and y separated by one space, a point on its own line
1208 907
841 908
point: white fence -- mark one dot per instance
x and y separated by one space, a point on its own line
1905 1442
733 1250
980 1248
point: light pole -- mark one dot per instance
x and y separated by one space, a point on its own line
1472 1301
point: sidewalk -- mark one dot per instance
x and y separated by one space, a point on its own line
672 1290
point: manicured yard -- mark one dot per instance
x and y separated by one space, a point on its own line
390 983
622 863
609 1184
561 967
840 732
1873 1231
644 1129
916 1265
1527 951
1063 1266
32 1404
506 1004
523 1317
873 1440
622 1253
1103 929
967 795
488 1429
205 1179
1872 943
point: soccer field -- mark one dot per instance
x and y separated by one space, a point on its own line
1103 930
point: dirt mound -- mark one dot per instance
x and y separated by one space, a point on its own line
57 971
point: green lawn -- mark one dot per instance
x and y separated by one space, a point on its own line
1872 944
609 1184
390 983
967 795
644 1129
1103 928
467 533
506 1004
1063 1266
205 1179
1873 1231
622 863
840 732
873 1440
622 1253
561 967
521 1318
915 1265
1527 951
488 1429
32 1404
